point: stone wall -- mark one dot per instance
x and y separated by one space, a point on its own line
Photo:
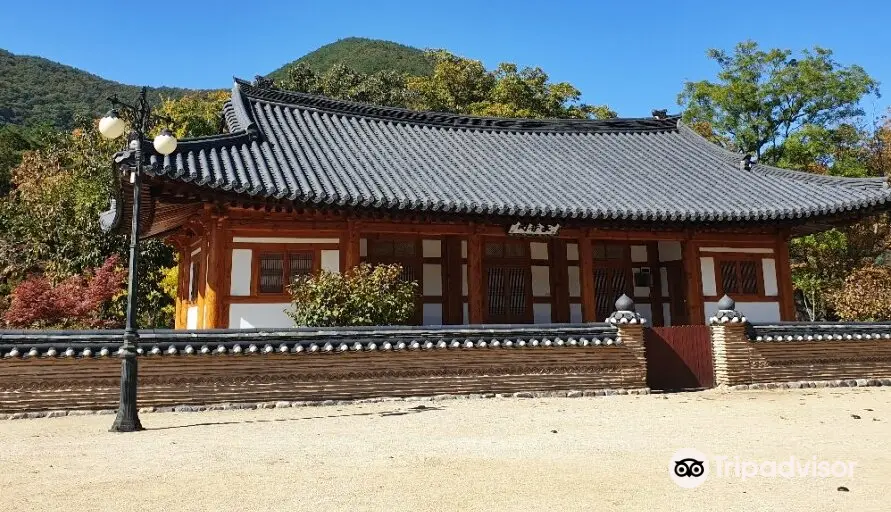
49 376
798 353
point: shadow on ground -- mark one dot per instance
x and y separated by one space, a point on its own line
397 412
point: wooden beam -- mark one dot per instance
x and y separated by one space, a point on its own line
693 274
351 241
656 298
475 283
788 311
559 281
586 276
214 292
452 286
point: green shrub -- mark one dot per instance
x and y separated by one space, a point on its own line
363 295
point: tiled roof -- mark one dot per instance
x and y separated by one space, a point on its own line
316 151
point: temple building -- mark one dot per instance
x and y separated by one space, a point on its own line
498 220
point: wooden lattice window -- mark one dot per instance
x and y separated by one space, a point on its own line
609 284
277 270
272 276
740 277
405 253
509 294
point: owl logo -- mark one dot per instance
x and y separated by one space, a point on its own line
688 468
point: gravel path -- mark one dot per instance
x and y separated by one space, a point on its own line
488 454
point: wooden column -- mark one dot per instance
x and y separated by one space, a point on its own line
559 281
182 270
586 276
452 285
693 274
475 288
784 280
656 298
352 253
216 278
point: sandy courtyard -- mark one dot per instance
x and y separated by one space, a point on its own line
605 453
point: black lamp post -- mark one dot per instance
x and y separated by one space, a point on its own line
111 127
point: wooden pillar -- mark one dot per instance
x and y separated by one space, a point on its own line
586 276
784 280
656 298
216 278
693 288
559 281
352 256
182 269
452 285
475 285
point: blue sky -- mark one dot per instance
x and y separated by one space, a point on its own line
631 55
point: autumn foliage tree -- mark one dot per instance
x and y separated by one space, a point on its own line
865 294
79 301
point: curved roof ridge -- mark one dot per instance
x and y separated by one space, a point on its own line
822 179
328 105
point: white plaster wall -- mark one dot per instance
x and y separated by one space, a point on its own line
432 314
283 240
463 248
538 250
646 311
465 312
432 280
464 279
666 314
769 269
754 311
431 248
572 252
541 313
663 280
240 280
541 281
363 247
638 253
246 316
331 260
575 313
670 250
192 317
575 282
709 286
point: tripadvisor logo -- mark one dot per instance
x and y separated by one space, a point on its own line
689 468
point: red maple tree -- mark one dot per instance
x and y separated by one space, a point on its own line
75 302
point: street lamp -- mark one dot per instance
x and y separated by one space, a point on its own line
113 126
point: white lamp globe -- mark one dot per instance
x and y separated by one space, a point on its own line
165 142
111 126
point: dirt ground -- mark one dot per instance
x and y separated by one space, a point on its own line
604 453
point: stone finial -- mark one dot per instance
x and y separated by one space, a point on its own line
625 312
727 313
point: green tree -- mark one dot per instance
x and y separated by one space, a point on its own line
197 114
761 98
363 295
456 85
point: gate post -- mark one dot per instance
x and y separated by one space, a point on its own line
730 345
630 326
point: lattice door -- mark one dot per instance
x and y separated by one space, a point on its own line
508 295
609 284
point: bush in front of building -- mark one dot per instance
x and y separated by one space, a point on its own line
363 295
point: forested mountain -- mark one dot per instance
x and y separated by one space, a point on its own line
365 56
34 90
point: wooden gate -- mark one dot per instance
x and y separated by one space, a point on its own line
679 357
